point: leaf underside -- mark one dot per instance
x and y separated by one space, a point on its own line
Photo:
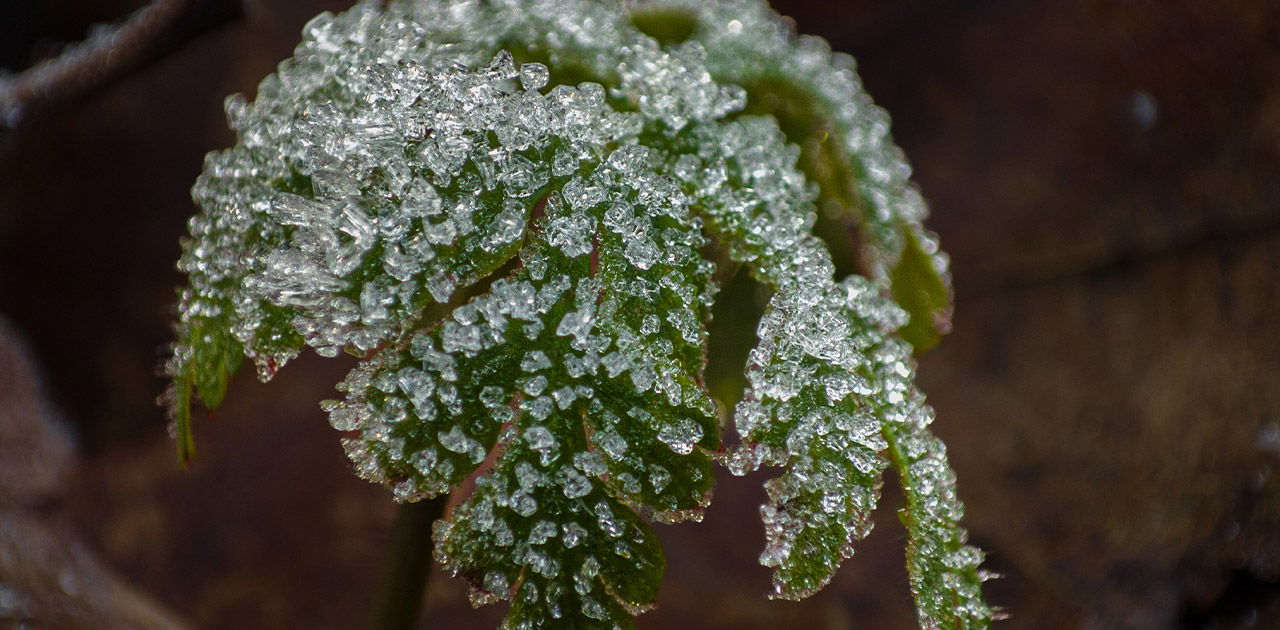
508 217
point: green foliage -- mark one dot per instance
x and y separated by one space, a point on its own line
518 223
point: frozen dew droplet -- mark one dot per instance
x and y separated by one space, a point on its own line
541 439
573 534
524 504
607 522
537 408
523 177
572 235
458 442
612 443
507 226
594 609
541 532
659 477
533 76
534 385
496 583
681 436
441 288
590 463
502 66
344 419
573 483
535 360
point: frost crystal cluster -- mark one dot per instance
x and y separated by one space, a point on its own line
516 213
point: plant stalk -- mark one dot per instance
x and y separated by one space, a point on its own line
404 581
150 34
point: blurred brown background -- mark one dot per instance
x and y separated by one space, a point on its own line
1105 175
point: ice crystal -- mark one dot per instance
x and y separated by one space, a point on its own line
507 209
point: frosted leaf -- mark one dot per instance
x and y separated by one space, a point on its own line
943 570
843 134
527 268
566 561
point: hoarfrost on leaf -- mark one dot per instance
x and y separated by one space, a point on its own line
526 265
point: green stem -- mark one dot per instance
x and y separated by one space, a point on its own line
404 582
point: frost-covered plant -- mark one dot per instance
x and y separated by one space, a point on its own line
515 213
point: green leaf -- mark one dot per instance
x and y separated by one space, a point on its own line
526 265
921 289
845 148
580 562
944 573
806 410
